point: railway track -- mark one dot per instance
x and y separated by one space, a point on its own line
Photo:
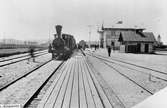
147 70
121 73
108 91
23 88
17 59
77 86
136 65
74 83
19 56
37 96
21 77
127 90
111 96
130 68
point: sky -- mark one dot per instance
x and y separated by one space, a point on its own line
35 19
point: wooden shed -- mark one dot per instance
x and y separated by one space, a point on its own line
136 42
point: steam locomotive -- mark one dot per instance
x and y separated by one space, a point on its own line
82 45
62 46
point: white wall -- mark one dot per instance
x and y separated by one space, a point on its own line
142 47
122 48
108 38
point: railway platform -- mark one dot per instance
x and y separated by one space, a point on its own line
89 79
133 77
94 80
77 86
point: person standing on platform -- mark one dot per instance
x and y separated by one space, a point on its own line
112 46
31 52
109 50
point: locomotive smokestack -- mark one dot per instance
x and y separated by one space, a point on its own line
58 30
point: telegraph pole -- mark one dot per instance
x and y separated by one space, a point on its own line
99 36
89 26
49 37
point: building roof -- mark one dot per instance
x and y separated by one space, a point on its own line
123 28
131 36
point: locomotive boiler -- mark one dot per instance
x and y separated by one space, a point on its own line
63 45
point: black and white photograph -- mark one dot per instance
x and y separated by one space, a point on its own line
83 54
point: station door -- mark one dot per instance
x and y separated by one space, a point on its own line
146 48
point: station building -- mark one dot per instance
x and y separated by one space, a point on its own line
128 40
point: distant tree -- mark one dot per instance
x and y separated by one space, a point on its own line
120 38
